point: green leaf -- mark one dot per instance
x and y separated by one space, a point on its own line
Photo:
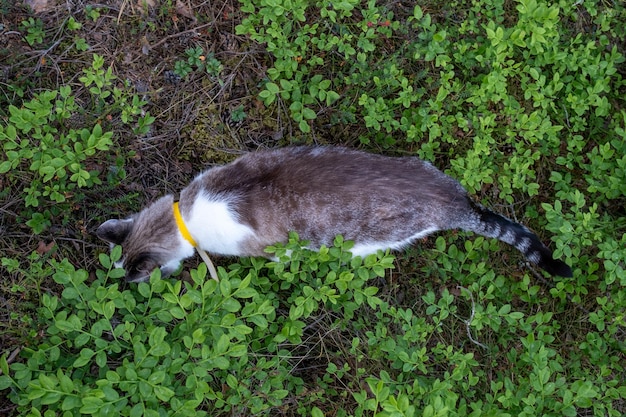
108 309
85 356
105 260
113 376
5 382
316 412
285 85
231 305
331 97
71 402
82 339
178 312
272 88
418 13
163 393
137 410
5 167
260 321
4 366
91 405
162 349
228 320
117 273
308 113
222 344
50 398
246 293
221 362
440 243
156 377
225 288
304 126
144 289
231 381
65 382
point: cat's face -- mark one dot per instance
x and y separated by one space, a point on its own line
149 240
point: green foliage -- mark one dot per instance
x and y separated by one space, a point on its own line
238 114
508 98
92 12
108 99
49 157
297 47
197 60
32 270
503 86
173 348
33 139
34 31
508 95
168 347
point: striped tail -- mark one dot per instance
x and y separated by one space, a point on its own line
493 225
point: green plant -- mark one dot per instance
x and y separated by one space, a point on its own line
101 86
497 99
72 24
33 138
92 12
183 67
29 272
50 159
206 348
168 347
293 76
34 31
238 114
197 60
81 44
521 100
212 66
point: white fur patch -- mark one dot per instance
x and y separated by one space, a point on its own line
215 226
364 249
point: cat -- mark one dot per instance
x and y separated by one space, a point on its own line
378 202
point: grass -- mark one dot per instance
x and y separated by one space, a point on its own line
104 108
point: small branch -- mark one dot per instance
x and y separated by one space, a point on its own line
468 322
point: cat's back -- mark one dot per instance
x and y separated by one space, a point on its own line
335 170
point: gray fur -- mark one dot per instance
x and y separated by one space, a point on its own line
148 239
320 192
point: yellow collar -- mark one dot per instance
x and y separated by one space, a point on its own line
182 227
185 232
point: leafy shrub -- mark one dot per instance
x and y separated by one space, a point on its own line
50 158
173 348
48 153
294 75
170 347
507 95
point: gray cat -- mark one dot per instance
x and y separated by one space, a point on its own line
378 202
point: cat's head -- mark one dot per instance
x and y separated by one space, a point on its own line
150 239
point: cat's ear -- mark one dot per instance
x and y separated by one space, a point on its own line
115 230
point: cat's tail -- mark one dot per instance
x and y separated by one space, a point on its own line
493 225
